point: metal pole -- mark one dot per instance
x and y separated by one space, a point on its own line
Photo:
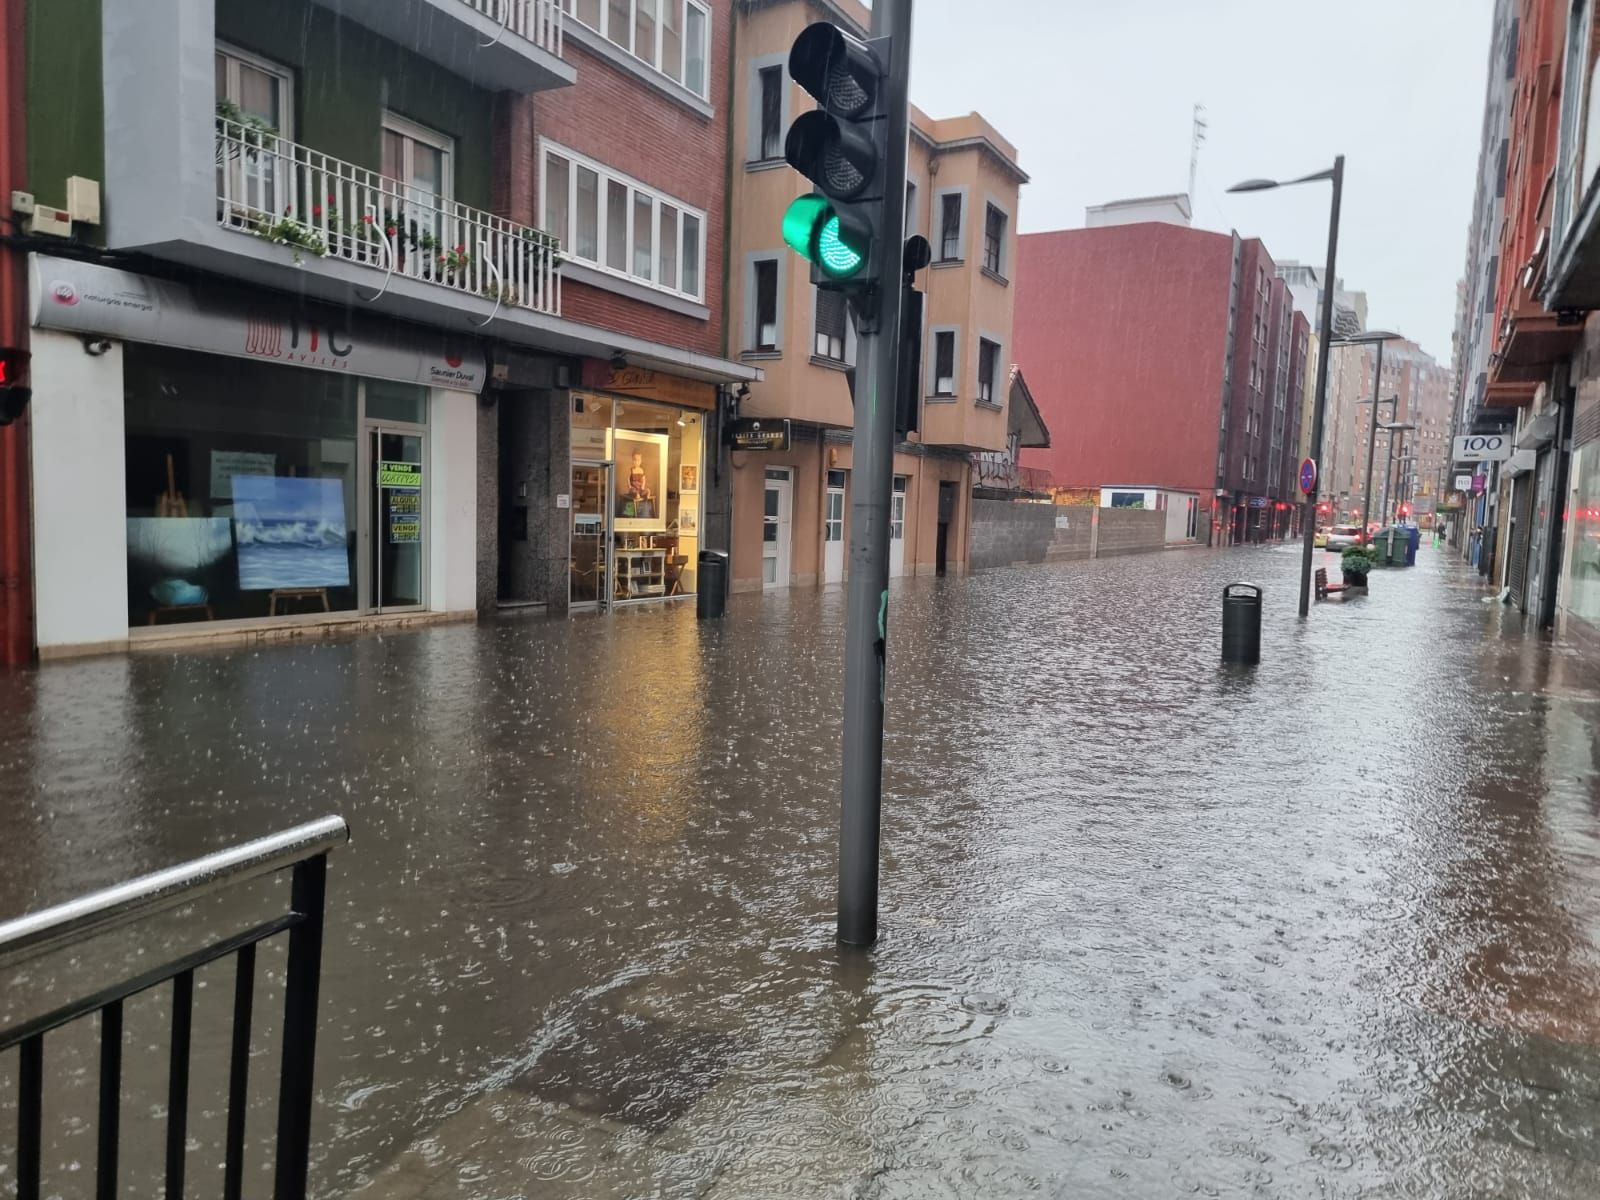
1320 408
867 603
1388 478
1372 445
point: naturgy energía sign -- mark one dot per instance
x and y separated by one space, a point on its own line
77 297
1483 447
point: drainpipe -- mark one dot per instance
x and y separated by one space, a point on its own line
16 582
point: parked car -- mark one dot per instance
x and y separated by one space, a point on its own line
1322 536
1342 537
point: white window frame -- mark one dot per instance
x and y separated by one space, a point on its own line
442 142
955 362
654 61
636 190
285 77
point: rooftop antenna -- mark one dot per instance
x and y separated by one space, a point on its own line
1200 128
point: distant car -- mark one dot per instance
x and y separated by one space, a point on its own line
1342 537
1322 536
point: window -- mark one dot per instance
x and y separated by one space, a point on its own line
831 323
994 237
1127 499
950 227
259 88
833 518
988 364
944 362
621 227
670 36
770 80
897 510
766 295
418 159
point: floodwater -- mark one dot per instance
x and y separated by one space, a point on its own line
1151 927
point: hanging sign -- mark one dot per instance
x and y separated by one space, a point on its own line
755 433
1463 482
1483 447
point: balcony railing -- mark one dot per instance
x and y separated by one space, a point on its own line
322 207
538 21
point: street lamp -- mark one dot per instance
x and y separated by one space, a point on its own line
1335 175
1378 337
1391 429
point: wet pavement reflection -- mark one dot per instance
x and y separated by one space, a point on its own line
1152 927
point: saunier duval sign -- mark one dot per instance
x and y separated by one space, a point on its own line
79 297
756 433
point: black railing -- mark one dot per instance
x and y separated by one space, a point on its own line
305 850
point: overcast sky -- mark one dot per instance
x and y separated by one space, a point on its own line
1098 97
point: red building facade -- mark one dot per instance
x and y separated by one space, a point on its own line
1165 357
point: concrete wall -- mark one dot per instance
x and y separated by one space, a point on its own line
1008 534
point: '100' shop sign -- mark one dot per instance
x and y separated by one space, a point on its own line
85 298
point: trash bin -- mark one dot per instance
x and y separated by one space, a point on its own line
1415 540
1241 623
711 595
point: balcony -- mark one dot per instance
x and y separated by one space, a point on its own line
509 45
318 206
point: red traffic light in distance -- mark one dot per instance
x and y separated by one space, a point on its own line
14 394
13 366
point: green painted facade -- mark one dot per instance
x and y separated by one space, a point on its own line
347 77
66 116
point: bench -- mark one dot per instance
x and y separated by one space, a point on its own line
1324 588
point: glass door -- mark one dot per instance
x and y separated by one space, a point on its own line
591 535
397 526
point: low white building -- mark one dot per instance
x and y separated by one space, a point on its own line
1182 508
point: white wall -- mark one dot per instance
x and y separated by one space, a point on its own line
80 541
453 497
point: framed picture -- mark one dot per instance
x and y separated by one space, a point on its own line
688 521
688 478
638 499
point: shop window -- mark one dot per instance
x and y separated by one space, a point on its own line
242 488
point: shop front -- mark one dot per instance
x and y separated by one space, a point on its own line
212 462
640 454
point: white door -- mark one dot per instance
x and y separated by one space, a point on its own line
897 528
833 530
775 528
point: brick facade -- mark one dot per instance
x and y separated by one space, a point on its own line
614 117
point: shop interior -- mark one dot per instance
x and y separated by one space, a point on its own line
636 500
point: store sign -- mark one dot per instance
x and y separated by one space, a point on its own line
753 433
649 384
1483 447
79 297
1463 482
401 484
1478 484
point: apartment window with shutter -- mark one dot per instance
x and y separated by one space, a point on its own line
944 362
766 286
771 80
831 321
994 238
950 227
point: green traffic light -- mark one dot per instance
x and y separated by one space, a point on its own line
812 230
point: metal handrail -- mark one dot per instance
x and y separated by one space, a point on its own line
36 932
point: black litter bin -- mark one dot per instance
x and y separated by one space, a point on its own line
711 595
1241 623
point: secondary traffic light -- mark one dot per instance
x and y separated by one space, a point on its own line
841 148
14 394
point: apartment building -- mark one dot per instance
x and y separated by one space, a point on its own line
373 312
791 509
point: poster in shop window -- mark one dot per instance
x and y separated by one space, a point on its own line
401 484
291 532
639 503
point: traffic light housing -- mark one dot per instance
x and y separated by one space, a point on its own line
841 147
14 392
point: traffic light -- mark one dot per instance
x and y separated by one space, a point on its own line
841 147
14 394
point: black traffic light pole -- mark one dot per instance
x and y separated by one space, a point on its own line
867 604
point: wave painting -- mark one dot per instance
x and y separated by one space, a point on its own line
292 533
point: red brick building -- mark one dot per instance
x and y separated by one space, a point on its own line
1167 359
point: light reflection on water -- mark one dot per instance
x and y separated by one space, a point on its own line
1151 927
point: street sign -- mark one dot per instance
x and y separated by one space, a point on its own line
1259 502
1483 447
1308 475
1463 482
752 433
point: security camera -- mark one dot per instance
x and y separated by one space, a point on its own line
95 347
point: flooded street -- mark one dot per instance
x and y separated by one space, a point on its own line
1151 927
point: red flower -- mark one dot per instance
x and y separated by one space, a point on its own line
390 230
332 199
316 210
461 249
367 218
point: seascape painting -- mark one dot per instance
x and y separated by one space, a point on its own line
292 533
